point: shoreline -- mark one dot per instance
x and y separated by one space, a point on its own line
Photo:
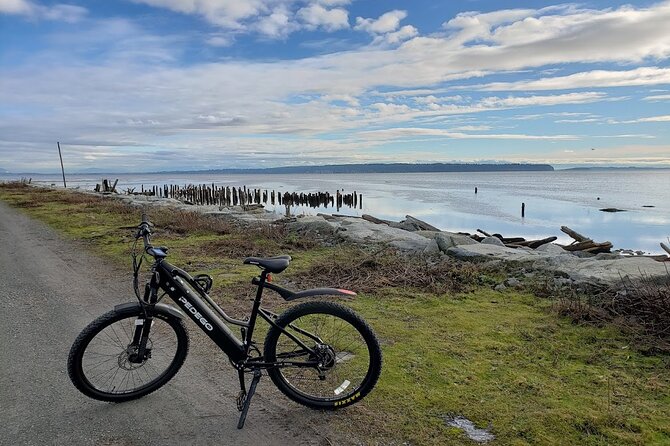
600 269
448 201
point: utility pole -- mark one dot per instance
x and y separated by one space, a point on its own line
61 164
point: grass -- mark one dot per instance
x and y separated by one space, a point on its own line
452 346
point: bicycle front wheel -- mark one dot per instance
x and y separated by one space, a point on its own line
344 352
103 362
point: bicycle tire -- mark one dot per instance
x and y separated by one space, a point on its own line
352 364
110 332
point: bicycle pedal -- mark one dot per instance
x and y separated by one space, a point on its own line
241 398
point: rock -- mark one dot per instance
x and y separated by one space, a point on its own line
312 225
607 256
432 249
493 241
428 234
583 255
446 240
612 210
513 282
562 281
551 248
482 251
500 287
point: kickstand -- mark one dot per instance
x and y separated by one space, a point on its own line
245 398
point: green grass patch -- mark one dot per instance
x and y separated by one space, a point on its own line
451 345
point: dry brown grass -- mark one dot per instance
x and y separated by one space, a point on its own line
640 307
357 269
189 222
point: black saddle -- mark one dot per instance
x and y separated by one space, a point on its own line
270 264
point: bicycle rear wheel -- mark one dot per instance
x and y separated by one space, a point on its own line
343 345
103 363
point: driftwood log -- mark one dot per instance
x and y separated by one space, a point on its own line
534 244
375 220
574 234
665 247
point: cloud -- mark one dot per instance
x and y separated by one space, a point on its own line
277 24
220 40
16 7
404 132
386 23
270 18
58 12
657 97
386 28
526 101
662 118
317 16
588 79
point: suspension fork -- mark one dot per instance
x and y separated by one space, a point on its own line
143 325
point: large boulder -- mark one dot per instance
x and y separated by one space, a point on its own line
493 241
481 251
362 231
551 248
446 240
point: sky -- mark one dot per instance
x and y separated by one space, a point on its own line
155 85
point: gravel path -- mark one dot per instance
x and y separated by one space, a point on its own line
50 289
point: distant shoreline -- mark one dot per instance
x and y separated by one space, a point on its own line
343 169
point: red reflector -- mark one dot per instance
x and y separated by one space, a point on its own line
269 278
346 292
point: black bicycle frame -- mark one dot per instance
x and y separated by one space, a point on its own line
191 298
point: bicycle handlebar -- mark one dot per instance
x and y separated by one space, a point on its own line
144 231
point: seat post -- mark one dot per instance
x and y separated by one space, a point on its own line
254 309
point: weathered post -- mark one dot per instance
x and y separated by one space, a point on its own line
61 164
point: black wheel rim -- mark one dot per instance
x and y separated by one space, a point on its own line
109 363
342 351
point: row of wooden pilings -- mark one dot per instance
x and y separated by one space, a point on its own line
205 194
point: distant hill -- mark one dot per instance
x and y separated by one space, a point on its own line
388 168
592 169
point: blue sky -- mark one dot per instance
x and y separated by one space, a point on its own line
148 85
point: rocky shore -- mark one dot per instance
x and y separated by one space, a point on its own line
602 269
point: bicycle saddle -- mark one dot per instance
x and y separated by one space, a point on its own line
271 264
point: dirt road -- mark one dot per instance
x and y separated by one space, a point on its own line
50 289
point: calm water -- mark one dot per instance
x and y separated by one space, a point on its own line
448 201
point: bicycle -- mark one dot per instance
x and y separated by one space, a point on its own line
320 354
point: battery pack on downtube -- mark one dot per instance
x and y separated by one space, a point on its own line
200 313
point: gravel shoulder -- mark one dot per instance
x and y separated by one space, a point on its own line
51 289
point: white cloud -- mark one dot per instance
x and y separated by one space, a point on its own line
220 40
404 132
315 16
662 118
271 18
594 78
526 101
386 23
657 97
15 7
471 128
404 33
276 25
58 12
